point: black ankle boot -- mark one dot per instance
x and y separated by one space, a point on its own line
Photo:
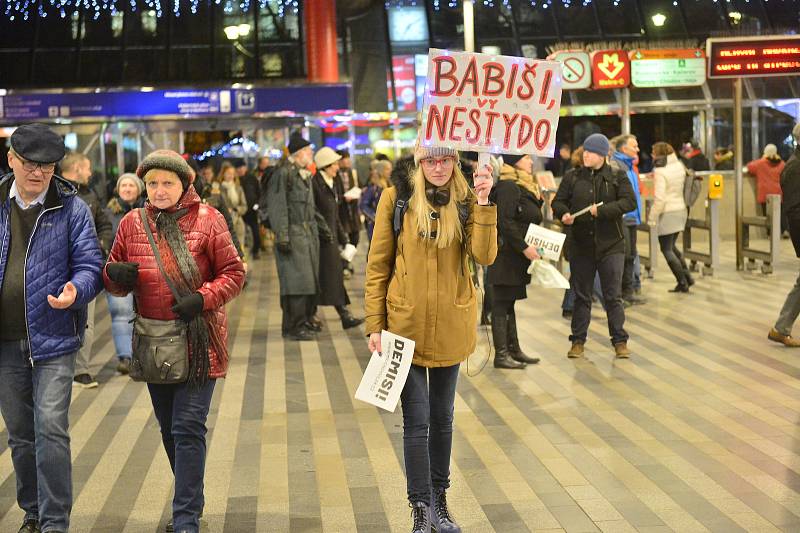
502 357
441 520
420 518
513 343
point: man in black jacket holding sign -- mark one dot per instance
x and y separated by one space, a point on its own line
596 239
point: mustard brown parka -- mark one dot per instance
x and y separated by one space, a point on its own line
425 293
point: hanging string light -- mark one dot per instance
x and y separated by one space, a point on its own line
24 9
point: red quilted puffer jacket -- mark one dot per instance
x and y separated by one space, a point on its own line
210 243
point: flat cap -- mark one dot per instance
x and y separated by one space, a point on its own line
38 143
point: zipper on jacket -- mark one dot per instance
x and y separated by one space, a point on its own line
25 283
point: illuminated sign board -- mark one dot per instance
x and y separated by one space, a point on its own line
611 69
753 56
668 68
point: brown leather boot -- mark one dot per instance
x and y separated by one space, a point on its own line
621 350
576 350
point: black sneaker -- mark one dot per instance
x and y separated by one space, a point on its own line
124 366
302 334
30 525
86 381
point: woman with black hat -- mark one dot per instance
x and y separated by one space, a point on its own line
519 204
194 274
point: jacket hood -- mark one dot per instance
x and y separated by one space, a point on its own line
59 189
401 176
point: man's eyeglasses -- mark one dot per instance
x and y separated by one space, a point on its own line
432 162
30 166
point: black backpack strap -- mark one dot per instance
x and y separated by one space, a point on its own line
400 208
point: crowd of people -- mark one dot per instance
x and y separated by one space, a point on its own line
170 248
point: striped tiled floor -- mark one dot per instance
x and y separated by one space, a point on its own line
697 432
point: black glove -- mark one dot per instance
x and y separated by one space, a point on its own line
284 247
124 274
189 307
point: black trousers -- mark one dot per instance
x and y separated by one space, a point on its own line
297 310
629 232
355 237
583 268
673 257
251 219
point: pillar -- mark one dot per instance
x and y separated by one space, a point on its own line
322 58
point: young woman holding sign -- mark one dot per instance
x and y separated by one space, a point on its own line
519 204
419 286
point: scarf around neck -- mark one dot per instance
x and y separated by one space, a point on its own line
182 270
521 178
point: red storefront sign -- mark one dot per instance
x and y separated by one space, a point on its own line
405 83
611 69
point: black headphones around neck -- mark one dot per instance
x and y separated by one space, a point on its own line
437 196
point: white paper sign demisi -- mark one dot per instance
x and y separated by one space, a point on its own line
491 103
387 372
551 242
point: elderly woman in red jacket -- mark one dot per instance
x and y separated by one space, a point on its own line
201 261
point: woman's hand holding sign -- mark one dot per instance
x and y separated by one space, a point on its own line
374 342
483 184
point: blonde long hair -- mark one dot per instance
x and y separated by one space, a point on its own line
449 228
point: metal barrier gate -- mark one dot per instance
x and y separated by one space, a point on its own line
710 224
649 261
772 223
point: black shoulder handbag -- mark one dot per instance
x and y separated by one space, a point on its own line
160 347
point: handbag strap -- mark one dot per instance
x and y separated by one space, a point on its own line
156 253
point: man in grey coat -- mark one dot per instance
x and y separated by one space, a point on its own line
291 211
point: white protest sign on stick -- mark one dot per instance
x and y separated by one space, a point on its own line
491 103
550 242
387 372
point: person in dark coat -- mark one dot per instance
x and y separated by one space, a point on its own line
292 216
77 168
790 185
596 241
348 208
327 192
519 204
252 193
694 158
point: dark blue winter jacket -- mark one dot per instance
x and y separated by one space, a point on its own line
63 247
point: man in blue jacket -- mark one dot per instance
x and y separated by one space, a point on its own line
50 264
626 151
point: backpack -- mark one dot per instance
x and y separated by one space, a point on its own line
401 206
692 185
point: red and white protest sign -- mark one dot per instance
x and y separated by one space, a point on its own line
491 103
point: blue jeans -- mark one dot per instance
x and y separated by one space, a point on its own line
181 412
35 407
121 309
427 400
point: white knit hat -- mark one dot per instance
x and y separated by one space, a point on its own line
770 150
424 152
132 177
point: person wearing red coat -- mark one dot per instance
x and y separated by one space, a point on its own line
194 244
767 172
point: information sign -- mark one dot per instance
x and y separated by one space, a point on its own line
667 68
744 57
611 69
184 102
